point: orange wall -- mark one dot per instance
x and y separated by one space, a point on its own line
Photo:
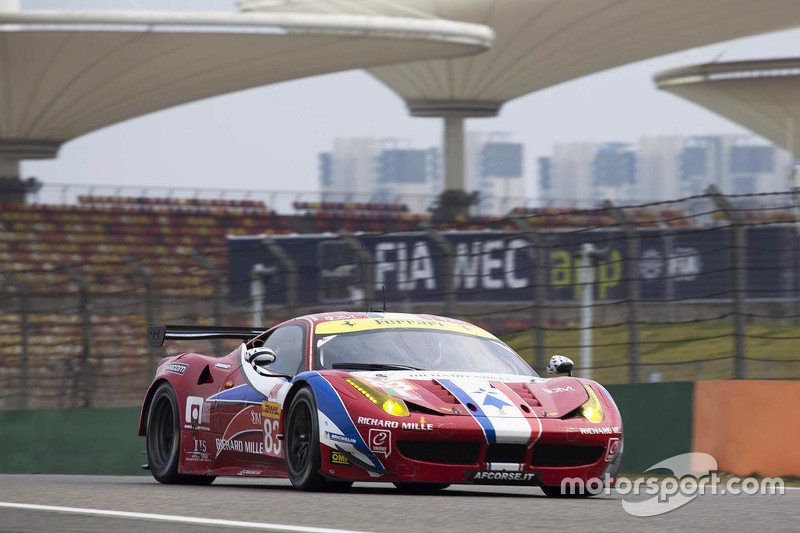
749 426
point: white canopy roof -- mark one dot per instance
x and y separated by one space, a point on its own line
541 43
64 74
761 95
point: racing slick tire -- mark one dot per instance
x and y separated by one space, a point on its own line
555 491
419 487
164 440
301 444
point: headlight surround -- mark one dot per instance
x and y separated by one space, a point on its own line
591 409
390 404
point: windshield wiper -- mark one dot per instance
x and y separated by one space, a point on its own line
373 366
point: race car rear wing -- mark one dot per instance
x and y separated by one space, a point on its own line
157 333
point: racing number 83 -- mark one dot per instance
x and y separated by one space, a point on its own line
272 446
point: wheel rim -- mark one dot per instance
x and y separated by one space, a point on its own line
163 432
300 428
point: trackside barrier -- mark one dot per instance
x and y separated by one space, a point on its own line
749 426
656 419
71 441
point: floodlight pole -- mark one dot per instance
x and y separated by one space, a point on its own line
257 274
23 294
739 281
539 284
633 254
367 265
587 278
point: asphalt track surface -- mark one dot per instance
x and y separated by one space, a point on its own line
256 504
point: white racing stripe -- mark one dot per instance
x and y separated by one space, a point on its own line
498 415
172 518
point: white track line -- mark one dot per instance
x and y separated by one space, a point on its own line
173 518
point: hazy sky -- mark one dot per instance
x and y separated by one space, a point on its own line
269 137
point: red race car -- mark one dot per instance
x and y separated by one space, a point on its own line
422 401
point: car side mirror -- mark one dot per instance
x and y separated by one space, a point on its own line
560 365
261 357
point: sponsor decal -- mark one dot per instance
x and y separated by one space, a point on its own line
338 458
336 437
502 477
249 473
558 389
241 446
338 317
613 447
417 426
396 387
271 410
223 366
380 441
600 431
378 422
199 451
194 411
276 389
176 368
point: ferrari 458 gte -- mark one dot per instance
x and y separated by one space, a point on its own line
421 401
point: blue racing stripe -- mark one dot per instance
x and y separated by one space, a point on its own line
479 415
240 394
331 405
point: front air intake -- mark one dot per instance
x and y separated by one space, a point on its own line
558 455
452 453
506 453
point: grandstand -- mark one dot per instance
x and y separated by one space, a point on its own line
79 281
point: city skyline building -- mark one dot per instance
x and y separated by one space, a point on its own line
661 168
393 171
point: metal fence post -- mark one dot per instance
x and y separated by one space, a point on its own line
539 285
366 262
22 293
216 298
150 310
290 267
85 308
739 282
447 249
633 253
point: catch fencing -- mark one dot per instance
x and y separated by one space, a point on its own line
706 287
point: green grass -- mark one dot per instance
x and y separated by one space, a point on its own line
709 347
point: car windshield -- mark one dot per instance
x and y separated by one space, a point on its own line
403 349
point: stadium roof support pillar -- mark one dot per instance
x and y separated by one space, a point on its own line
454 113
453 143
13 151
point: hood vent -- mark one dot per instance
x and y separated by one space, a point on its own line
442 393
525 393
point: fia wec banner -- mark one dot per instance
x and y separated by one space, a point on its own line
497 267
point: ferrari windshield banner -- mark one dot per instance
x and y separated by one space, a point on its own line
497 266
364 324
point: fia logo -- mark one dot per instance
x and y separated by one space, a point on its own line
380 441
194 410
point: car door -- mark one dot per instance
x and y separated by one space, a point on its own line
249 411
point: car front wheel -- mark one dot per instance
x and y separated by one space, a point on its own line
302 443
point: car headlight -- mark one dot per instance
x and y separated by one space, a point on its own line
390 404
591 409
